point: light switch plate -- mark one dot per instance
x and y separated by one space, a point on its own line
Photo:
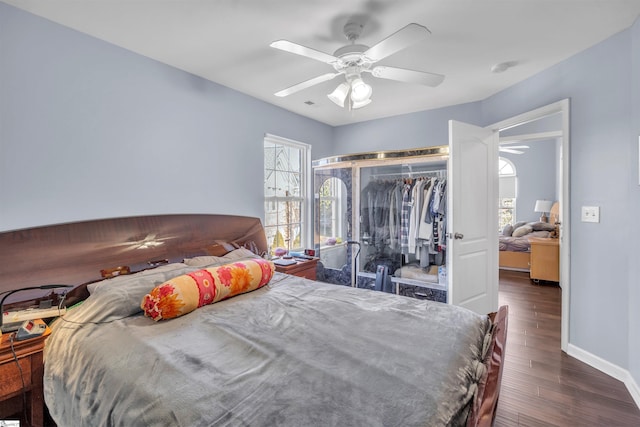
591 214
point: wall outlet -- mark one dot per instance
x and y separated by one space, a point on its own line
591 214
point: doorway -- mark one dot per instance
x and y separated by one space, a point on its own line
550 122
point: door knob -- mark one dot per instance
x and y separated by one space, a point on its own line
456 236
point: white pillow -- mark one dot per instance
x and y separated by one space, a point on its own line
522 231
507 230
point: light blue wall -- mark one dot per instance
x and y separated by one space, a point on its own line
536 171
634 197
421 129
90 130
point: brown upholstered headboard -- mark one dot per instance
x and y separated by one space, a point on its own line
74 253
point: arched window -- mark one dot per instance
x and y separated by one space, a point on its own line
508 192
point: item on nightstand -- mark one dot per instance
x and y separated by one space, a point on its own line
279 251
12 320
282 261
300 255
24 289
542 207
31 329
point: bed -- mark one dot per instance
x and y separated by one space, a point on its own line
291 352
514 251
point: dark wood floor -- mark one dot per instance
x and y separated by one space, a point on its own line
541 385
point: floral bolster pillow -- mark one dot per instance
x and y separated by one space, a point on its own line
185 293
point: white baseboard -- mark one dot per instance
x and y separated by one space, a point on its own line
608 368
633 388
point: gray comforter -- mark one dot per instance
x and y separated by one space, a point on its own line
293 353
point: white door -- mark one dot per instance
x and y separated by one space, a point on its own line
472 206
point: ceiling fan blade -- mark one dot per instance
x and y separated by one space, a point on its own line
509 150
408 76
298 49
397 41
518 146
307 83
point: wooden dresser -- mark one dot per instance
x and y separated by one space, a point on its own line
545 259
306 268
29 355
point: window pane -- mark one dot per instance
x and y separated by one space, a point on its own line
270 183
275 238
508 192
287 158
269 156
287 184
505 216
505 167
296 241
507 203
292 187
288 212
294 159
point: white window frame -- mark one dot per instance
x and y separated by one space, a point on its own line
514 176
306 231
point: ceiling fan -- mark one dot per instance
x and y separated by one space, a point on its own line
513 149
354 59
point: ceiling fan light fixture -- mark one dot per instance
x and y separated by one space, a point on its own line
360 91
355 105
339 95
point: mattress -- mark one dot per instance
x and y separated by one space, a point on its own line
514 244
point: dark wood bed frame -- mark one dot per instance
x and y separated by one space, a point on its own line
82 252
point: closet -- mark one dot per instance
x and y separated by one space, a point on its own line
391 207
462 269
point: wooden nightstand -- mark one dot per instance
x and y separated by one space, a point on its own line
306 268
545 259
29 354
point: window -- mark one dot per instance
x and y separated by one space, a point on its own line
332 210
508 193
286 177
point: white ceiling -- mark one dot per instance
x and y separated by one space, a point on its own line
227 41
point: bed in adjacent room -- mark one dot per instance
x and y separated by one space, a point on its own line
513 242
208 333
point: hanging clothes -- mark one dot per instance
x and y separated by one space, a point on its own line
407 205
395 212
425 231
414 217
404 217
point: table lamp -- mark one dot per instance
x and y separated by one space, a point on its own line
543 206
